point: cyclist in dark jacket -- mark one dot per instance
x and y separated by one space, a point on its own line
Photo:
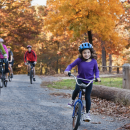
10 60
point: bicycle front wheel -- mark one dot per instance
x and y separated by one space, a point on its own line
77 116
31 77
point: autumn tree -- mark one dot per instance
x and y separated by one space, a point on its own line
80 16
19 24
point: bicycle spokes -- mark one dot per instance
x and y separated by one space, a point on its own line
77 116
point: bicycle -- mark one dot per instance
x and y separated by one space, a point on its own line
78 108
31 72
3 82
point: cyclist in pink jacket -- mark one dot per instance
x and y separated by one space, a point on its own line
4 59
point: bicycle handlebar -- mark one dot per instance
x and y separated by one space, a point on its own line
82 84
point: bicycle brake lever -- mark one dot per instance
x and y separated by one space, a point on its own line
69 73
96 80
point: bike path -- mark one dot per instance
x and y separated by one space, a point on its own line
25 106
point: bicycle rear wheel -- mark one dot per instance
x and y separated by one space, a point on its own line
5 83
1 83
1 79
31 77
77 116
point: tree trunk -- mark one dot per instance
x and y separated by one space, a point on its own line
112 93
104 59
57 63
41 68
110 63
90 37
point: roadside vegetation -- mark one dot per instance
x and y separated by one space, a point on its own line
70 83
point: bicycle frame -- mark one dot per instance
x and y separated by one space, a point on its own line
30 66
78 101
82 85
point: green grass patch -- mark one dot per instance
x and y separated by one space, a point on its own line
111 82
70 83
63 84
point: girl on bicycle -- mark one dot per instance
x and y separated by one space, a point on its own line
87 67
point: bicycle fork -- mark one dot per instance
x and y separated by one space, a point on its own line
78 101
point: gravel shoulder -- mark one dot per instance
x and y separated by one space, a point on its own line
26 106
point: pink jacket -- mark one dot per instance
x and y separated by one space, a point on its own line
1 56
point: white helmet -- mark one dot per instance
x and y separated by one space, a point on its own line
1 40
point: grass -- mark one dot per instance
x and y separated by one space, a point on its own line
63 84
111 82
70 83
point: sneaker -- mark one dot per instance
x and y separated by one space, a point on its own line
11 75
86 117
71 103
34 79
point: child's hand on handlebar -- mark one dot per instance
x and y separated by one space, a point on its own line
66 73
98 80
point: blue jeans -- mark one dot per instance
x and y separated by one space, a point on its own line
87 94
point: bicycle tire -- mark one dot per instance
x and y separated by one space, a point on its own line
31 77
1 83
5 83
77 116
3 78
9 77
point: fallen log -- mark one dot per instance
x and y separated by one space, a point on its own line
112 93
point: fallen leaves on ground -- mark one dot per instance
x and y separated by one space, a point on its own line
63 95
102 106
95 122
44 84
125 127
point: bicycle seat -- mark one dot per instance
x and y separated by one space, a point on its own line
83 86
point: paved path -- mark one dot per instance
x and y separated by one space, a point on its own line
29 107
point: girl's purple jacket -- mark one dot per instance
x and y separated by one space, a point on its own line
86 70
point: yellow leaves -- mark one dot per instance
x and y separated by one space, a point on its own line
87 14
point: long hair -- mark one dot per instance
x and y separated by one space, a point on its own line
93 54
